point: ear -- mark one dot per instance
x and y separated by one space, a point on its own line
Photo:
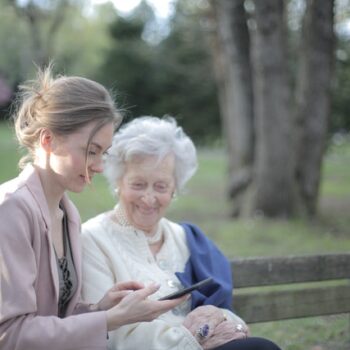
46 140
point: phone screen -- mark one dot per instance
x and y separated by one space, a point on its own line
186 290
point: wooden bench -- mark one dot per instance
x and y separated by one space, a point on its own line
294 286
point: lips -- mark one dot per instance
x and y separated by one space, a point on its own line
146 211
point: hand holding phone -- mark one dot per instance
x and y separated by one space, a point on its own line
186 290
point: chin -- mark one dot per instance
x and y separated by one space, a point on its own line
148 227
77 189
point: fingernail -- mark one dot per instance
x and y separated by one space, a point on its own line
156 285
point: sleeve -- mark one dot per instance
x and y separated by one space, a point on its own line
98 276
20 326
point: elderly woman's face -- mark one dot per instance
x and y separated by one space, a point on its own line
146 189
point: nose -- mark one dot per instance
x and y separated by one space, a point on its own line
148 198
97 166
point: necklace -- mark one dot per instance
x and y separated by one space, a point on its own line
156 238
120 216
123 221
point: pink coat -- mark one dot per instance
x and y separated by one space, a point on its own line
29 278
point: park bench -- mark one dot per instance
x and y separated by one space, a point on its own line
291 286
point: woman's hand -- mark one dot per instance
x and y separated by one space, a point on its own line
211 328
201 316
223 333
116 294
135 307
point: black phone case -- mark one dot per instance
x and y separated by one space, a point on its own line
187 290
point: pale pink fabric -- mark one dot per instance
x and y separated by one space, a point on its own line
29 278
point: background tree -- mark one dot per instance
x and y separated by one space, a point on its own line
283 176
168 76
340 121
313 98
44 19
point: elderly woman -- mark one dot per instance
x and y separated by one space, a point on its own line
150 161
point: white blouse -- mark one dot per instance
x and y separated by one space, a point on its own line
114 253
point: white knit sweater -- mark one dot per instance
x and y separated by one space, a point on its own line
114 253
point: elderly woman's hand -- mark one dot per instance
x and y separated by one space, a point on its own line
211 328
224 332
203 320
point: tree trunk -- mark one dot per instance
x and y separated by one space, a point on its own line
274 160
233 71
313 98
288 143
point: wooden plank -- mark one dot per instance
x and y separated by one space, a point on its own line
279 305
250 272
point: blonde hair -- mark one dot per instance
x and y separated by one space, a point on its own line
63 105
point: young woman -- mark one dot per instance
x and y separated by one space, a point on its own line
66 124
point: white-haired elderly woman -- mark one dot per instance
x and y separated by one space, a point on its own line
150 161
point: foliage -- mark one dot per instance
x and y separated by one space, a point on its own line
14 45
76 46
170 77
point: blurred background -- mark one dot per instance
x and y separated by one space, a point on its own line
263 89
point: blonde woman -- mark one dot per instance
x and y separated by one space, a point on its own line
66 124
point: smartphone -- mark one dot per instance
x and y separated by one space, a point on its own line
186 290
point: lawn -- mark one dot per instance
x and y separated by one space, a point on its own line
205 204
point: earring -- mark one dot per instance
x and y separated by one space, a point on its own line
116 191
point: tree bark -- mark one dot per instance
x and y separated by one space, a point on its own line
274 158
313 98
231 55
278 174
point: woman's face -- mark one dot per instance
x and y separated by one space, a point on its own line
146 189
67 158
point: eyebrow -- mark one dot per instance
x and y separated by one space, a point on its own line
99 146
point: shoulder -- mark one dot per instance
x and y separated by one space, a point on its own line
174 229
93 225
196 238
93 230
16 199
20 216
193 231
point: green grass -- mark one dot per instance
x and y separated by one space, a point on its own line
205 204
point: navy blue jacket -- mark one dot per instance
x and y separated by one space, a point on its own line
206 260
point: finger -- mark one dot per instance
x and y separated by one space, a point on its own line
147 291
128 285
120 294
170 304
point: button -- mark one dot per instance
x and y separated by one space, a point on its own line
171 283
162 264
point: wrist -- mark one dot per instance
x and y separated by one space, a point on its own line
94 307
114 319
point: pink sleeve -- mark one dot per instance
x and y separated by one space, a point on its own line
20 326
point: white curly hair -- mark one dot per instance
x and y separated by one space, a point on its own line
151 136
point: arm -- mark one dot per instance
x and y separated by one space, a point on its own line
23 324
98 275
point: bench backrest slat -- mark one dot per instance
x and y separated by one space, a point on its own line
292 269
280 305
